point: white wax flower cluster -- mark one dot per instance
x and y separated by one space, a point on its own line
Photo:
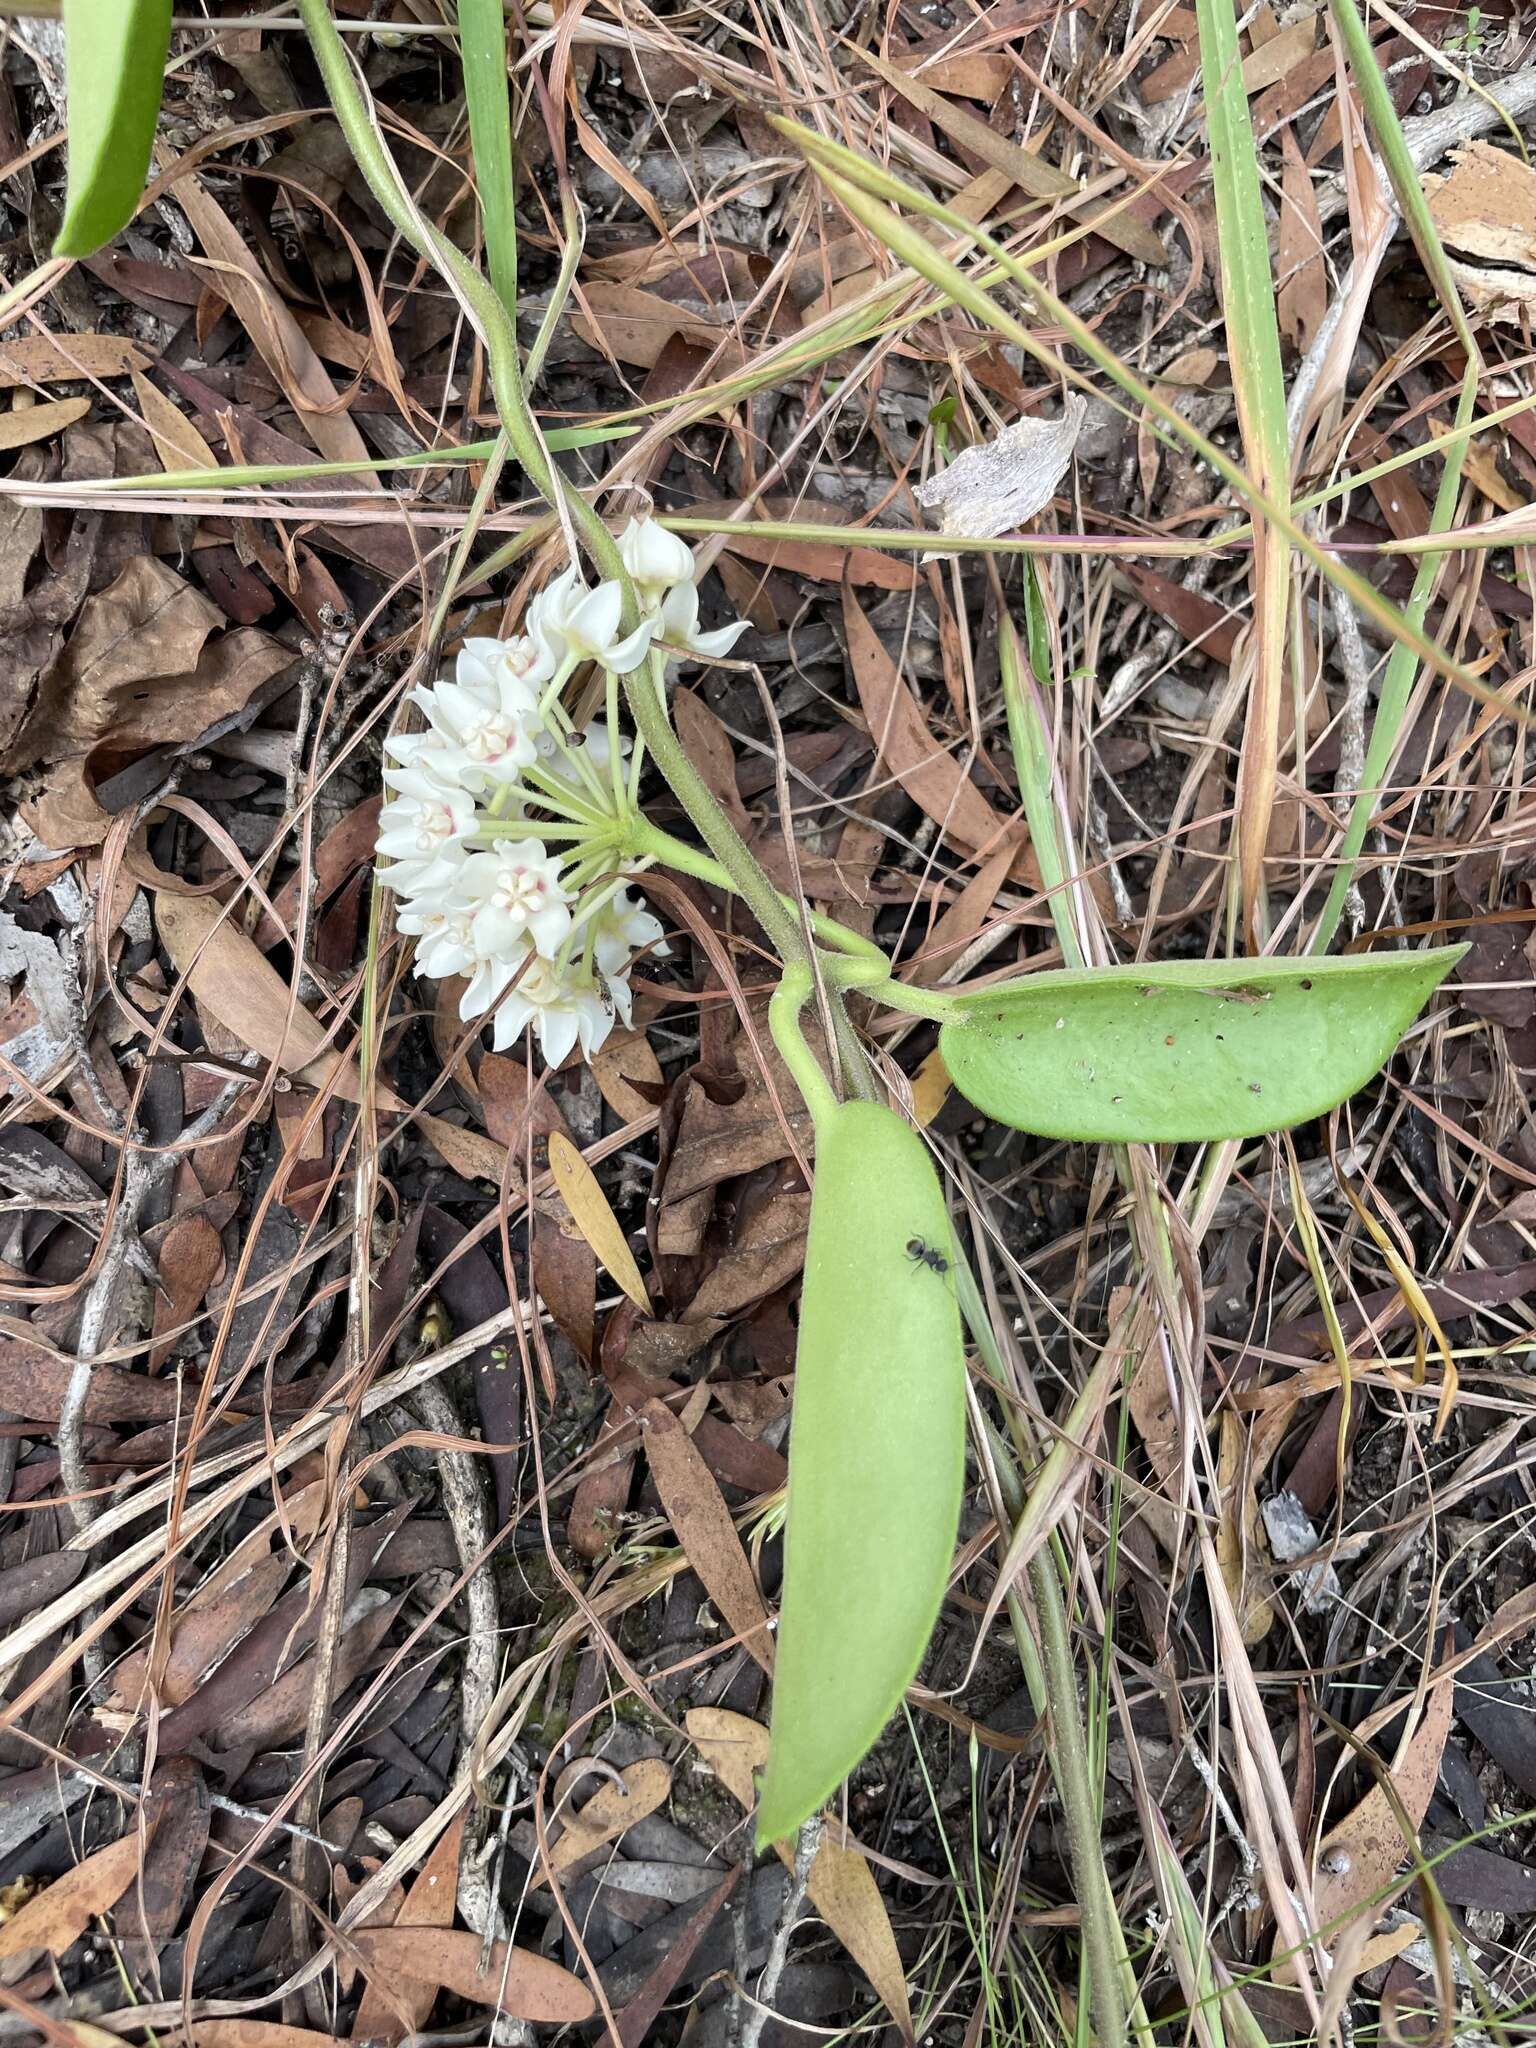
501 834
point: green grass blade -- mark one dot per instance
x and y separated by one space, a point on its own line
1258 384
483 45
853 180
1401 670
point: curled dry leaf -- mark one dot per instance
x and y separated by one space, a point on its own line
140 668
611 1809
1359 1858
999 484
842 1886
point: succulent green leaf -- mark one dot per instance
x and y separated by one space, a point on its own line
114 65
876 1457
1192 1050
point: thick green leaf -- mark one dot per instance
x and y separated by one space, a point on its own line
1196 1049
876 1457
114 63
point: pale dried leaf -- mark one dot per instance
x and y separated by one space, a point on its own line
27 423
594 1219
997 485
847 1899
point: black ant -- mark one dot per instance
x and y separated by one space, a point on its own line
924 1255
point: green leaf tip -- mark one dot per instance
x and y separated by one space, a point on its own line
876 1458
114 66
1190 1051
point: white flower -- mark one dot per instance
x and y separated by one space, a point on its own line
622 928
655 559
422 828
679 627
586 623
518 896
486 719
563 1009
528 659
443 929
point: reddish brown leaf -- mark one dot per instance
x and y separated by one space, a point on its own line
59 1915
697 1511
933 779
515 1981
428 1903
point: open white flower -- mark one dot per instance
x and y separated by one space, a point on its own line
444 930
528 659
586 623
678 627
655 559
564 1009
422 828
485 720
622 928
518 896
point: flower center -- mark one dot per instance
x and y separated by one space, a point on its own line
491 740
434 826
521 890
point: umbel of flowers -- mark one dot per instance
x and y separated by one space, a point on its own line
505 830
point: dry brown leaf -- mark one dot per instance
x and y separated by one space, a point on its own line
59 1915
141 670
177 442
213 1621
428 1903
24 424
191 1258
1359 1858
623 1058
766 1251
272 328
932 778
1031 173
635 326
1302 297
608 1813
842 1886
235 982
49 359
702 1523
1486 213
237 2033
594 1219
515 1980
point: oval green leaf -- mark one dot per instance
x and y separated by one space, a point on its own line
114 66
876 1457
1192 1050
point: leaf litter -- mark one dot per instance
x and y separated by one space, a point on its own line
259 1205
